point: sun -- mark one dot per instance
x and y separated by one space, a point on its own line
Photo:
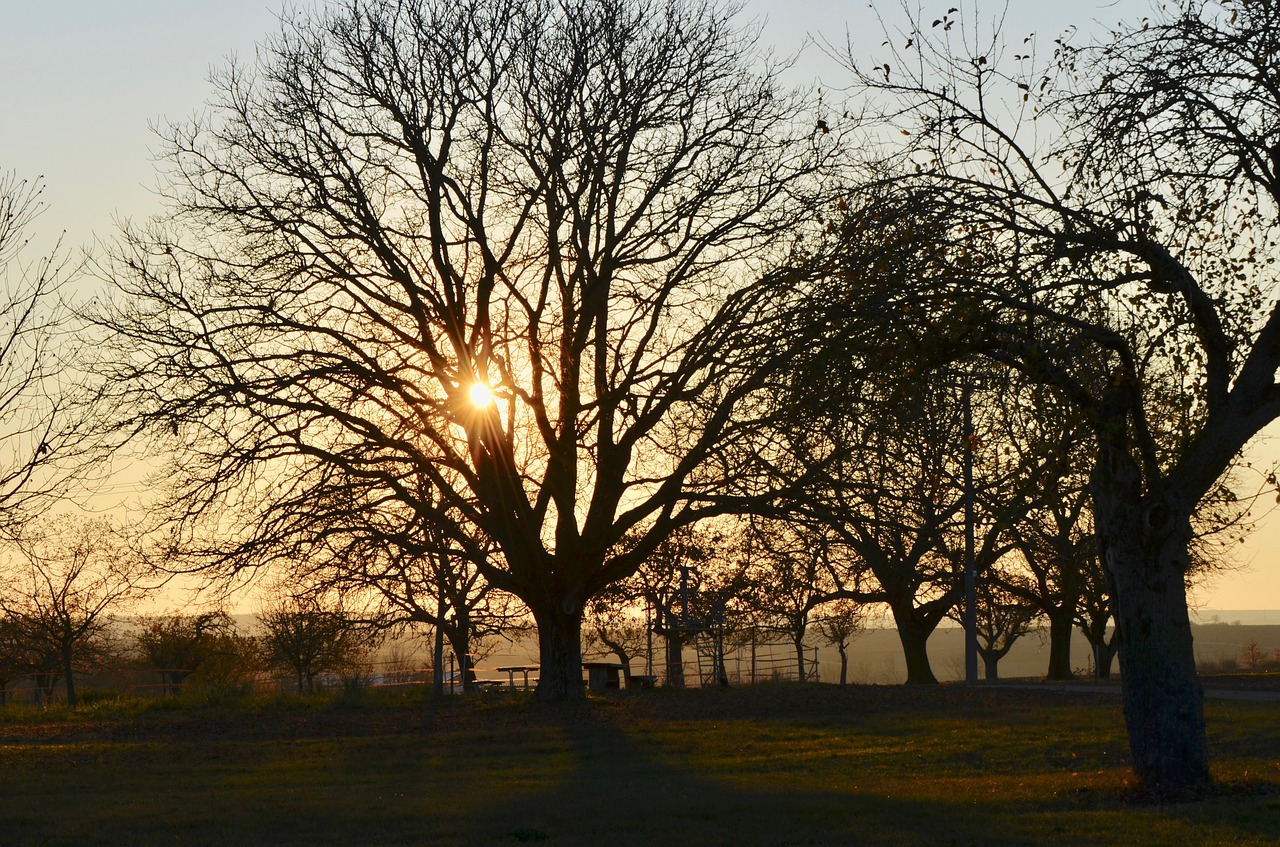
481 395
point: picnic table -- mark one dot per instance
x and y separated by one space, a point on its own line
601 676
511 672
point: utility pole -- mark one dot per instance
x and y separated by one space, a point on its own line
970 566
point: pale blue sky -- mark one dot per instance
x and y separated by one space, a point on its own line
82 80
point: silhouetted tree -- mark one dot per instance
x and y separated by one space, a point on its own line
307 639
64 578
178 645
615 624
15 655
839 622
41 415
1003 618
794 568
518 249
1157 196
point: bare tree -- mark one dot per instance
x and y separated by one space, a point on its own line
1128 217
395 571
307 639
896 496
1003 618
839 622
43 436
615 625
517 249
793 569
64 579
1095 615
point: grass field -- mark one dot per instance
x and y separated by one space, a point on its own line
772 765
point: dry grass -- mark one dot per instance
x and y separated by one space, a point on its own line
770 766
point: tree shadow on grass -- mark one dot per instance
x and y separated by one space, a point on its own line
613 772
621 790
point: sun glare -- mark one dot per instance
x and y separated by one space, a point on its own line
481 395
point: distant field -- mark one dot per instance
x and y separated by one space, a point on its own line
773 765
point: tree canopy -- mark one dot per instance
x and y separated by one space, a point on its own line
579 207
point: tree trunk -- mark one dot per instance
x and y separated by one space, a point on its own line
459 637
560 655
799 645
1103 656
69 676
1060 644
844 663
1163 701
990 663
437 663
915 647
1144 547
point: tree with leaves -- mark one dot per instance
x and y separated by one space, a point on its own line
178 645
1128 202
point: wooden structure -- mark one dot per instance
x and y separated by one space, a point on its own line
692 617
511 672
603 676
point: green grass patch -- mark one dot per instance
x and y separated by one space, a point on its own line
795 765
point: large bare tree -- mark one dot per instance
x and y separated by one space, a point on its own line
514 248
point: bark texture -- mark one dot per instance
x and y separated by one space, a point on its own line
1143 541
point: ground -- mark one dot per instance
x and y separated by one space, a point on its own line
770 765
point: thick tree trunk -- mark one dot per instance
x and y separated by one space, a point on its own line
1144 547
1104 655
990 664
1060 644
915 647
560 655
1163 701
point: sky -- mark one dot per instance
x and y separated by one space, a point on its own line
82 83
